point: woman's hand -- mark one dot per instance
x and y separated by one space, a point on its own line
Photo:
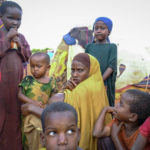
70 85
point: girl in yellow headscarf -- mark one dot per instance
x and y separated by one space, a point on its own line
86 93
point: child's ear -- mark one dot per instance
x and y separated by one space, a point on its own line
79 133
133 117
49 66
42 139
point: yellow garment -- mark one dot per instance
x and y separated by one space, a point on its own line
58 65
32 130
88 98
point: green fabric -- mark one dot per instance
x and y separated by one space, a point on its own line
36 90
106 54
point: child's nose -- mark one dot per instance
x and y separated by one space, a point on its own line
62 139
75 74
15 22
35 68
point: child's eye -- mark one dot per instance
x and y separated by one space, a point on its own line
52 133
102 28
72 70
80 70
70 131
10 17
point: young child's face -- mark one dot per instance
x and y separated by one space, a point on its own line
12 18
122 112
101 31
79 72
38 67
61 132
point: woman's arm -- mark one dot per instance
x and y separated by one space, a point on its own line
99 129
107 73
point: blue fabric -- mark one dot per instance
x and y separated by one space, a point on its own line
69 40
106 20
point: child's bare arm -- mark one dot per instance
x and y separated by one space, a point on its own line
140 143
29 108
107 73
99 129
114 135
25 99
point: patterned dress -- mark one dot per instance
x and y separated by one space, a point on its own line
31 124
38 91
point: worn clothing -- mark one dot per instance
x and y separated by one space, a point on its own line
127 142
145 131
11 70
39 92
88 98
106 54
105 143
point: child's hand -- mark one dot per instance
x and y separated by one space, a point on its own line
70 84
38 104
26 108
116 129
11 34
110 109
17 40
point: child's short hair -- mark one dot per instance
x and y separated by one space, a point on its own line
57 107
140 104
7 4
46 56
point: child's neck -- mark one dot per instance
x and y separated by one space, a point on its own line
130 128
101 42
43 79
